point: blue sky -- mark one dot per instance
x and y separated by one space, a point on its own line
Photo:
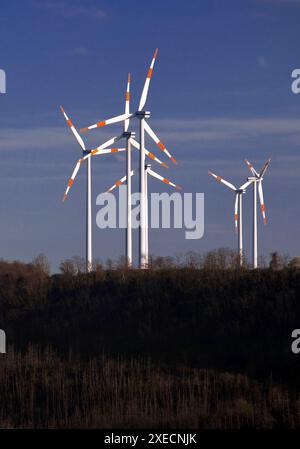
220 92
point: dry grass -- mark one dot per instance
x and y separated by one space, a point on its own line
38 389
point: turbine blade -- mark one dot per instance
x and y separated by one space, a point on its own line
107 151
158 142
147 83
261 199
148 153
236 212
218 178
251 168
105 145
119 182
71 180
127 103
73 129
244 186
165 180
117 119
265 167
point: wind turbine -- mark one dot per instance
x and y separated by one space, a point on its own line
238 210
257 180
131 141
141 115
86 155
147 171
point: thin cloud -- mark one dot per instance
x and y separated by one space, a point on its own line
262 62
81 50
255 138
41 138
281 2
66 9
215 131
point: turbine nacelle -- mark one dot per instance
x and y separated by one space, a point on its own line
142 114
129 134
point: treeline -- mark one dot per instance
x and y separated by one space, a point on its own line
216 316
222 258
39 389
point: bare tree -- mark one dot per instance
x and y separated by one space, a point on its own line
278 261
73 266
160 262
294 262
42 263
193 260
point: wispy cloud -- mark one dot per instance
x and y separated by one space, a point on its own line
231 130
81 50
282 167
68 9
32 138
52 150
262 62
281 2
220 131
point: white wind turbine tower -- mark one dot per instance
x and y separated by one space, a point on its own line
142 115
128 136
88 196
257 180
129 174
147 171
238 210
102 149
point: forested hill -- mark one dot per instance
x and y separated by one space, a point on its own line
229 319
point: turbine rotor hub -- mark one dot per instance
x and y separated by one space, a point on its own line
128 134
143 114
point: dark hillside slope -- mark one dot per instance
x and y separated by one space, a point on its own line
225 319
